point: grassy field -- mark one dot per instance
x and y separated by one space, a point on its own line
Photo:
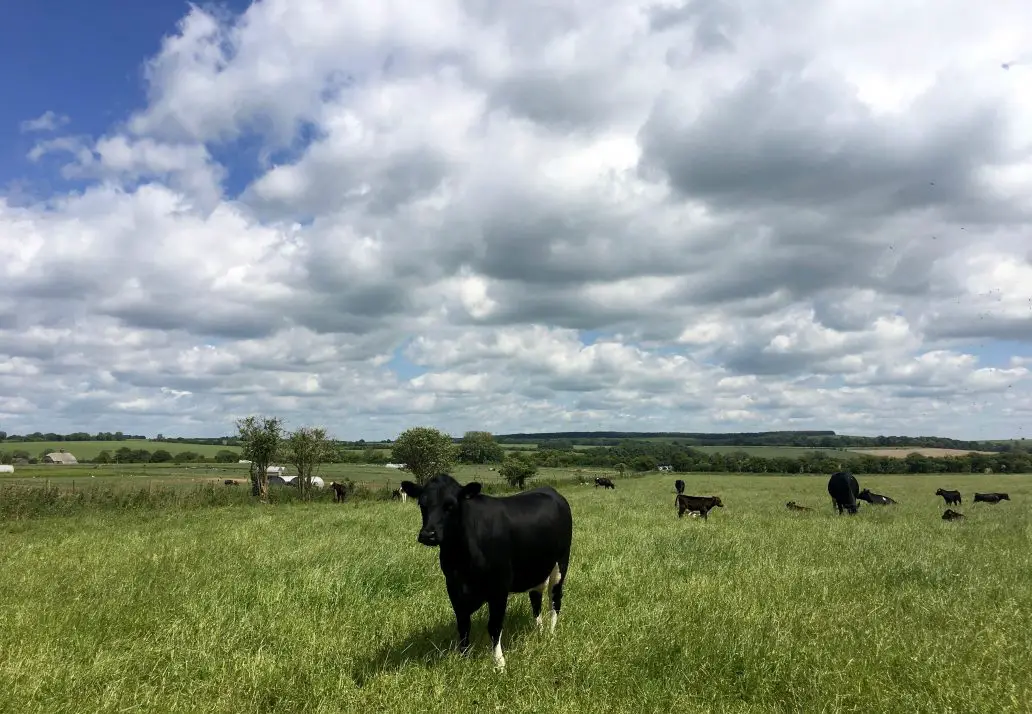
337 608
134 475
90 449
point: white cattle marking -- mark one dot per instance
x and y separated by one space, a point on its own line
499 658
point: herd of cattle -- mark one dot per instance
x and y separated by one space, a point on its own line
493 546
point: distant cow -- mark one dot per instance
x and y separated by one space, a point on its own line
603 482
398 494
495 545
679 486
793 506
843 489
952 498
230 482
874 498
697 504
993 498
339 491
951 515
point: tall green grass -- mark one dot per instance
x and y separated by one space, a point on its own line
326 607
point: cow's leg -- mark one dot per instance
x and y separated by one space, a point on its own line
495 620
555 581
463 615
536 597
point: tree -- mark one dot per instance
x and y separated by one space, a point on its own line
225 456
306 448
160 456
479 447
516 469
260 438
425 451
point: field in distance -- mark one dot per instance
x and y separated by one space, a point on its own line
757 609
902 451
90 449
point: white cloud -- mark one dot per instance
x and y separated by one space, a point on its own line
677 216
47 121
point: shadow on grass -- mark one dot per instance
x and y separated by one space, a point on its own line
432 644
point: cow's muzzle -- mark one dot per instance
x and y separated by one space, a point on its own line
428 538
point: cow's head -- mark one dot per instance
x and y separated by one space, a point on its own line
440 502
939 492
716 502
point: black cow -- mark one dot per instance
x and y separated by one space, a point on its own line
793 506
874 499
697 504
492 546
952 498
230 482
679 486
339 491
603 482
951 515
843 489
993 498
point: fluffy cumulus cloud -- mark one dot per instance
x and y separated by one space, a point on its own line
626 214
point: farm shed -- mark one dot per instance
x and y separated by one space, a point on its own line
275 470
59 457
395 466
6 469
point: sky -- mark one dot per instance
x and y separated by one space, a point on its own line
641 215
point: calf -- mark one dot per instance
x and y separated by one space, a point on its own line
843 489
993 498
492 546
697 504
951 515
679 486
339 491
603 482
874 499
952 498
793 506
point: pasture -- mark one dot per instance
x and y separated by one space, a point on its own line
166 474
336 608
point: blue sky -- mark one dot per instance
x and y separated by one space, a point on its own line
84 60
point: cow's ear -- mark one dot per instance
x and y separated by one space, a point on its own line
412 489
470 490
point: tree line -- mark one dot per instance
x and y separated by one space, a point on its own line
426 451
